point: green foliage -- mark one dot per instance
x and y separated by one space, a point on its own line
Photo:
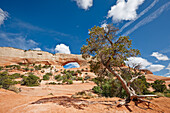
159 86
167 93
37 67
87 77
15 75
69 82
49 74
46 66
109 88
1 67
82 80
31 69
78 71
108 51
26 69
58 77
31 80
6 80
46 77
52 83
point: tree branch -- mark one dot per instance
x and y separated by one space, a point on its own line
133 78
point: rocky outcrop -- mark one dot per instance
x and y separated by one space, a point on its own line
10 56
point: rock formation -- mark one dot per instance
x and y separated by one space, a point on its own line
9 55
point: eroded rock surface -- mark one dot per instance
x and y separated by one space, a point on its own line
10 56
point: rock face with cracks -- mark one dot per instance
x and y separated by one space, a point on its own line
10 56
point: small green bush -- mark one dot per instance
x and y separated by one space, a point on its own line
1 68
80 78
37 67
50 74
6 80
69 82
159 86
31 80
87 77
26 69
52 83
15 75
46 77
58 77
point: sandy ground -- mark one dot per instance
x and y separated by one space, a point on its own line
56 99
57 90
38 100
11 102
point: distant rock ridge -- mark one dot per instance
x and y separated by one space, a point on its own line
9 55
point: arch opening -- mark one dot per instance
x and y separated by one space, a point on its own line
71 65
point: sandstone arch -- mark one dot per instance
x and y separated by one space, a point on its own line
10 56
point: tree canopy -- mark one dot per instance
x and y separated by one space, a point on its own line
108 53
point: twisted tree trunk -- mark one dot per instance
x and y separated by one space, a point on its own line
129 90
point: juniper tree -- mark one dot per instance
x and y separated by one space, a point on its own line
108 54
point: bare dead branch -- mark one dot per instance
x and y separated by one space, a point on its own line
133 78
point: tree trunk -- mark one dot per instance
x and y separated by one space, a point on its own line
129 90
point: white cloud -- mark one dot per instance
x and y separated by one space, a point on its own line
3 16
124 10
138 60
16 40
72 65
104 25
37 49
168 67
149 18
154 68
138 16
62 48
160 56
84 4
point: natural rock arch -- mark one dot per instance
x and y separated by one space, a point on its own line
10 56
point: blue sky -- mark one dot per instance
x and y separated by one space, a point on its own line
62 26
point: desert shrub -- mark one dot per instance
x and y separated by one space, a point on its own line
159 86
107 88
46 77
82 80
26 69
31 80
97 89
37 67
46 66
52 83
167 93
69 82
15 75
1 68
78 71
58 77
49 74
9 66
110 87
79 78
87 77
5 80
31 69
